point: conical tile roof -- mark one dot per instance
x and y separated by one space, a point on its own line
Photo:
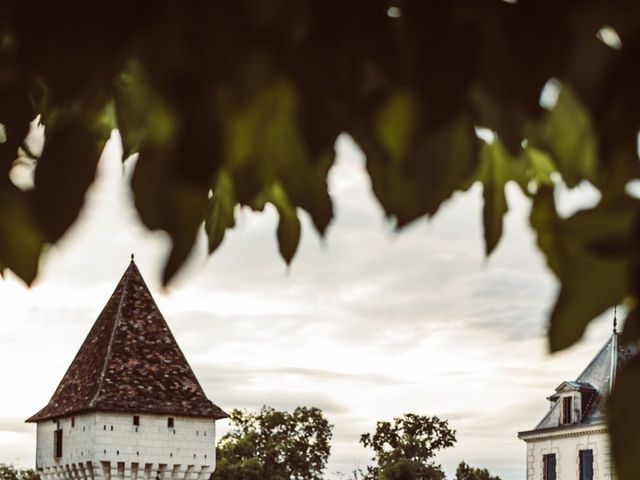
130 362
595 381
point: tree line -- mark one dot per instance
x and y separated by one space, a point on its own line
278 445
9 472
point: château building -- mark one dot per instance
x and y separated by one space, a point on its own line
571 441
129 406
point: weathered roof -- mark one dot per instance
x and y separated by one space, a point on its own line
596 380
130 362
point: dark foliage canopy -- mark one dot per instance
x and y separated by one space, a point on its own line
8 472
275 445
239 103
404 449
465 472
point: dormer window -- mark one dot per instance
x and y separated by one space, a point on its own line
567 405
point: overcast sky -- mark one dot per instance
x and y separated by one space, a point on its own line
366 324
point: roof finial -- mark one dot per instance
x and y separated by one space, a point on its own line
615 319
132 257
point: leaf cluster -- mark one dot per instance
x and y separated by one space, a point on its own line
274 444
239 103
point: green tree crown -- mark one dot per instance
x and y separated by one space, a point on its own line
405 447
274 444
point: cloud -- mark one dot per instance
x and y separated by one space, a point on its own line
366 324
14 425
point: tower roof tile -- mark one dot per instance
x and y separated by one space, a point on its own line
130 362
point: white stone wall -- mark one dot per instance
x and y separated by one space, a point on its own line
566 446
108 446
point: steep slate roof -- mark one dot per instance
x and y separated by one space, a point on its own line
595 381
130 362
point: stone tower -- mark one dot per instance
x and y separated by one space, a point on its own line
129 406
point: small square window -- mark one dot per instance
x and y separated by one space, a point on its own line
136 420
170 422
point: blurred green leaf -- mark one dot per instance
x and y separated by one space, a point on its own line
496 171
220 211
540 167
544 220
266 144
133 104
182 148
568 135
624 422
168 202
396 124
590 286
16 112
514 60
289 229
631 332
438 162
584 252
20 240
64 172
172 205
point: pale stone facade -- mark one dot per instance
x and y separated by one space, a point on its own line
129 407
566 447
109 446
571 442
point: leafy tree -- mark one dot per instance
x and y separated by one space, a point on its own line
275 445
405 469
465 472
404 448
239 103
8 472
